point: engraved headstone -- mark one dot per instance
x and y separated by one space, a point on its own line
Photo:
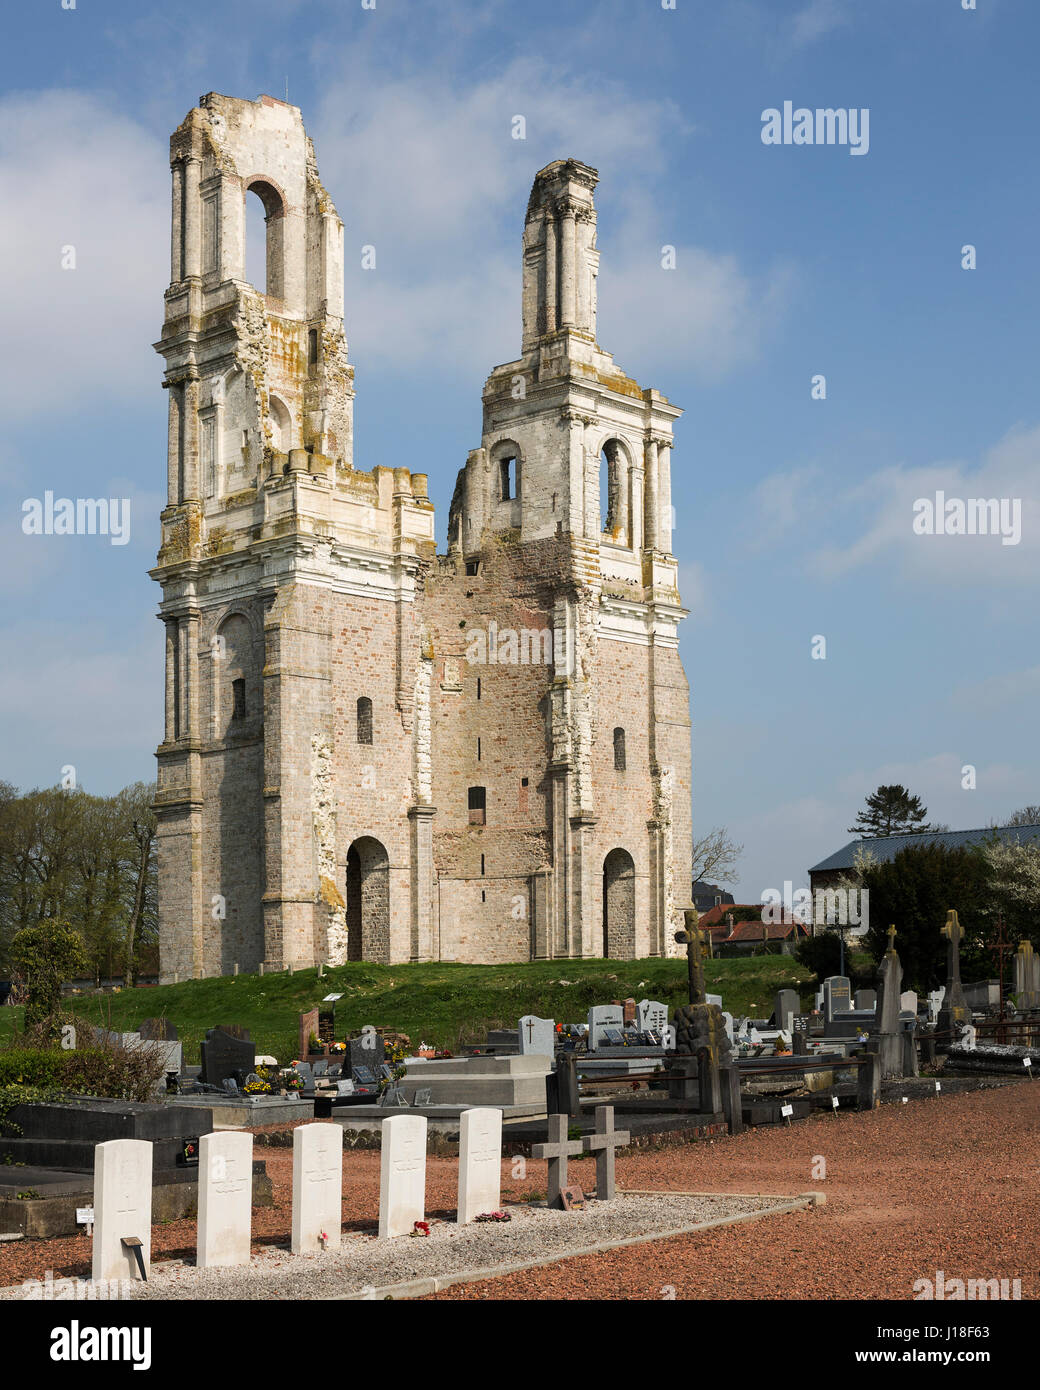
158 1030
480 1162
651 1016
225 1055
866 1000
537 1036
402 1175
785 1007
317 1203
225 1198
122 1207
836 996
602 1017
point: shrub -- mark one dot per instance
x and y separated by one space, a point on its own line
46 956
103 1070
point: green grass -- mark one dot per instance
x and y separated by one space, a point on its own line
440 1004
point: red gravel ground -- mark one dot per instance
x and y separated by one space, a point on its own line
946 1183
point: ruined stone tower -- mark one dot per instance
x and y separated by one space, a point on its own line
372 751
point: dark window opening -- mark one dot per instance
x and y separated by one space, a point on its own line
478 750
312 351
481 866
364 720
619 750
507 474
483 896
477 806
472 567
523 781
478 687
238 699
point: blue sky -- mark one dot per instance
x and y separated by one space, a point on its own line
793 516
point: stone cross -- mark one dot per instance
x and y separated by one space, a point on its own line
891 937
557 1151
955 1007
225 1198
692 939
603 1143
122 1207
953 931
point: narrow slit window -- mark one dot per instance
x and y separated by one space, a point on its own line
477 806
619 750
478 687
364 720
238 699
312 351
507 475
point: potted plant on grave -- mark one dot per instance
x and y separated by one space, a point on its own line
315 1045
292 1082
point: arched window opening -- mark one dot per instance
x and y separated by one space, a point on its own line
364 720
619 750
281 426
265 239
612 484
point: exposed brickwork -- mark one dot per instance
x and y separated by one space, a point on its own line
481 816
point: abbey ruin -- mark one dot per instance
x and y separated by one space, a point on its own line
372 751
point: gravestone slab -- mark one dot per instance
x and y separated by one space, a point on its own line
785 1007
308 1027
651 1016
122 1207
908 1002
713 999
837 996
224 1055
317 1199
402 1175
602 1017
866 1000
480 1163
225 1198
537 1036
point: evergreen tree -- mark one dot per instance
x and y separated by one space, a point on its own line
891 811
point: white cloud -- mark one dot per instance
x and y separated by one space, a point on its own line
997 691
817 19
873 519
80 175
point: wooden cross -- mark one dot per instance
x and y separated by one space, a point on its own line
603 1143
557 1151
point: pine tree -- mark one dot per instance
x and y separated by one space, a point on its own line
891 811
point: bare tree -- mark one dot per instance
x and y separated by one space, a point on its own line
715 856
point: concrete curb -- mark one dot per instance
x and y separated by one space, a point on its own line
418 1288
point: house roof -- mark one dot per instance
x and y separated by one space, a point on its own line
775 931
886 847
717 914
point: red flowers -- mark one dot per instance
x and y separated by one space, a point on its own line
421 1228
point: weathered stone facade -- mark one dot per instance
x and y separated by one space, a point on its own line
373 751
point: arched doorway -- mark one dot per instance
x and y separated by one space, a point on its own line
368 901
619 905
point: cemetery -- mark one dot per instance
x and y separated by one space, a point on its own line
196 1149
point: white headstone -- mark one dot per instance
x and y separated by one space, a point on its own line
908 1002
537 1036
402 1175
651 1016
727 1020
317 1190
480 1162
225 1198
122 1207
603 1016
935 999
713 999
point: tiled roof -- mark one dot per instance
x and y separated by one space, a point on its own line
887 847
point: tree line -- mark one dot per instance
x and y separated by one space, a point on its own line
87 862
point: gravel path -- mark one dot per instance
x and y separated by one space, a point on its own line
367 1262
945 1183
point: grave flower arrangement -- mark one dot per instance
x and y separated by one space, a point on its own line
259 1084
293 1081
493 1216
395 1061
421 1228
